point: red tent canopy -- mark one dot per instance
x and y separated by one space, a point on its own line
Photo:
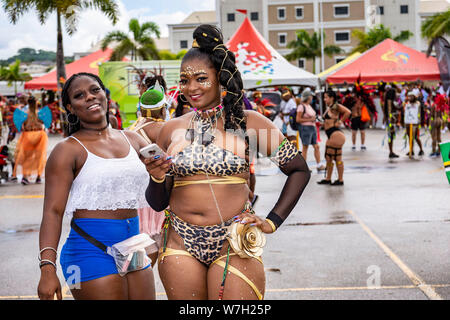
88 63
389 61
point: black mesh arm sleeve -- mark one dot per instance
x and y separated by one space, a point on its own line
298 177
158 194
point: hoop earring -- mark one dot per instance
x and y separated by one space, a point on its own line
72 119
181 98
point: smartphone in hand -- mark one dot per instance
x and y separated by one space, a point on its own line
150 151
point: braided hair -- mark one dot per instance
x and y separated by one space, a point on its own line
211 47
66 99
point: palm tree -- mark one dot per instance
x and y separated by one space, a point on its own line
435 27
376 35
309 47
13 75
67 9
140 46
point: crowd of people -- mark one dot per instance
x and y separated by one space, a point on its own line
411 109
23 139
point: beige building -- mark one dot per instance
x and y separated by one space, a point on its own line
180 35
278 21
398 16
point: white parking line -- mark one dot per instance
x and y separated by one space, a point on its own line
427 289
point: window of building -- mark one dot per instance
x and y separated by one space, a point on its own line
380 10
254 16
404 9
281 13
342 36
183 44
230 17
282 39
301 63
341 10
299 12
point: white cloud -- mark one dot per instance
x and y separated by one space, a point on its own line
202 5
92 26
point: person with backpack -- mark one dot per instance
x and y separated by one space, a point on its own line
306 118
288 110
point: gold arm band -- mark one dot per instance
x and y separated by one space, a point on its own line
158 180
272 225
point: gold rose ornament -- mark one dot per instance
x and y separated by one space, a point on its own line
246 240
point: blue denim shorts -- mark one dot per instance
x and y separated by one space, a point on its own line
82 261
308 135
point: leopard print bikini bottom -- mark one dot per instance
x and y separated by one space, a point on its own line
203 242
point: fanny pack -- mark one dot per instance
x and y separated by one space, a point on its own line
129 255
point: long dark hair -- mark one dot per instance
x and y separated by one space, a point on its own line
211 47
180 106
66 99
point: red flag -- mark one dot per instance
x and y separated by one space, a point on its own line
241 11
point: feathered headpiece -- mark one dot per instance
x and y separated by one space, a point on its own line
364 93
441 103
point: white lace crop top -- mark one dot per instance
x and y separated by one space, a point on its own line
109 184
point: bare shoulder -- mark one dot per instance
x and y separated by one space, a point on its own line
256 120
64 153
169 127
135 139
343 108
131 135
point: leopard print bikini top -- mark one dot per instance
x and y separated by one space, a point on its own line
211 159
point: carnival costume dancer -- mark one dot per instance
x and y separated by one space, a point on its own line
206 183
31 149
391 116
333 117
412 121
439 107
153 106
95 176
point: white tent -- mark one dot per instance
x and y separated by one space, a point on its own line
261 65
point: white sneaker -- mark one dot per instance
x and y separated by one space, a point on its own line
354 148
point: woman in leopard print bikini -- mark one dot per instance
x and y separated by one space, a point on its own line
204 166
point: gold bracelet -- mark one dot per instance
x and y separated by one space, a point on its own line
272 225
158 180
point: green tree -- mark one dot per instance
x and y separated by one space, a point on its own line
167 55
69 10
376 35
140 45
13 75
436 26
309 47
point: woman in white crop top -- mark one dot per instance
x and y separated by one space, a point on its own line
97 177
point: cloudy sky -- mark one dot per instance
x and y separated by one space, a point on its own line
92 26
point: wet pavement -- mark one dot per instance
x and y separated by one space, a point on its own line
385 234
